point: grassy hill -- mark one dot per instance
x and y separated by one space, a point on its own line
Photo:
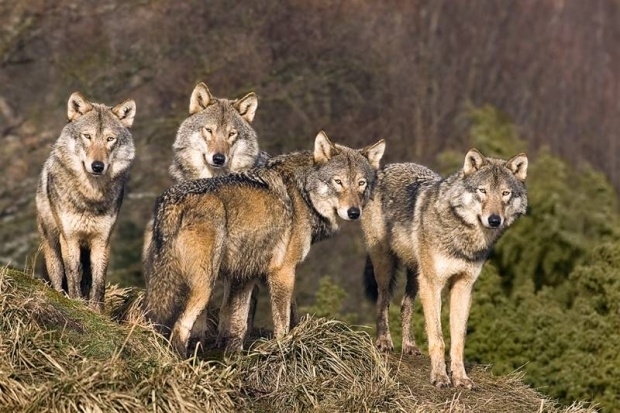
58 356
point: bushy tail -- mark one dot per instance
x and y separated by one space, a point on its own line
370 284
165 289
371 287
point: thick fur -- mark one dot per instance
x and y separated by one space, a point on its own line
215 127
441 231
80 193
216 139
245 226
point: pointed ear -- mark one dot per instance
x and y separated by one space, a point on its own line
200 99
246 106
125 112
78 106
474 160
374 153
518 165
324 149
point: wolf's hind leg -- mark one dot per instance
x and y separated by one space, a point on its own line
234 314
281 285
406 312
197 254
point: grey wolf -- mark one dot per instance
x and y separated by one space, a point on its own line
244 226
441 231
80 193
216 139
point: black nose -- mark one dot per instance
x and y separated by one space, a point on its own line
219 159
353 213
97 166
495 220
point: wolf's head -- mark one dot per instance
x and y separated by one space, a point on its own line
494 190
217 137
343 178
97 138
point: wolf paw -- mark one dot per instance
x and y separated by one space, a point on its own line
179 345
384 344
411 349
441 380
463 382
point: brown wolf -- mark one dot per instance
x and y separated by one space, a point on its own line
441 230
216 139
80 193
244 226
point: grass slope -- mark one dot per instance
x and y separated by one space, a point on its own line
58 356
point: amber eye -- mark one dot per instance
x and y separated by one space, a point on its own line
505 193
208 130
362 183
110 138
232 133
86 136
338 181
482 190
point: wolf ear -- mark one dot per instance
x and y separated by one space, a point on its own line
324 149
200 99
374 153
518 165
77 106
125 112
246 106
474 160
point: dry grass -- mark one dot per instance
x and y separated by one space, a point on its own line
58 356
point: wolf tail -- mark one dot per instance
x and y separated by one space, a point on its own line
164 288
371 288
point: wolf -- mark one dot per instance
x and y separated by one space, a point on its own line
217 138
241 227
80 192
441 231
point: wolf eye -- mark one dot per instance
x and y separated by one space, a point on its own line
232 133
361 183
505 193
338 181
111 138
86 136
208 130
482 190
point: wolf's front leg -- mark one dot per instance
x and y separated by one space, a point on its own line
99 259
430 295
406 312
70 248
381 263
460 302
53 262
281 284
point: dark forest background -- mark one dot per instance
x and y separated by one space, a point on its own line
433 77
